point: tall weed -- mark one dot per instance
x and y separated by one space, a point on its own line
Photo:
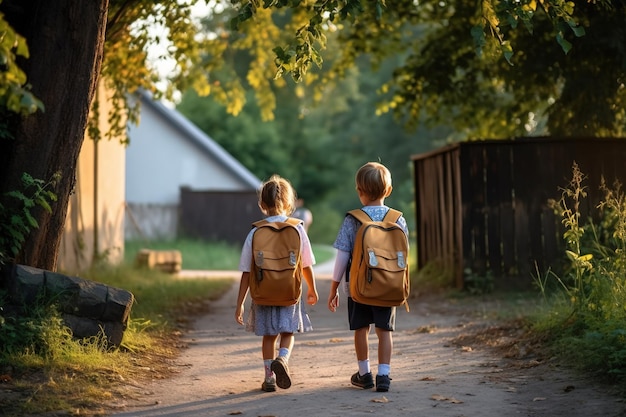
589 309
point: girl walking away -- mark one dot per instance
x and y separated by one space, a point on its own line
276 322
373 185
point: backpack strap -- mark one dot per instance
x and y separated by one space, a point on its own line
259 223
393 215
360 215
290 220
293 221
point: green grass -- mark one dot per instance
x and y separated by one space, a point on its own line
158 295
201 255
196 254
51 372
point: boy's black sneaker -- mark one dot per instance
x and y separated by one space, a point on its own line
382 383
362 381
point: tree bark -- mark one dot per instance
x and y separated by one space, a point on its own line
65 39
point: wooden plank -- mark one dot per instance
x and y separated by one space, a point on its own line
474 202
507 214
493 169
458 215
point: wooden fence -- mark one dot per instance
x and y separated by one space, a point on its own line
483 205
218 215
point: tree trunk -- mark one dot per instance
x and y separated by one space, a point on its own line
65 39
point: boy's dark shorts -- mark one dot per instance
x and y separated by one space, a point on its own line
362 315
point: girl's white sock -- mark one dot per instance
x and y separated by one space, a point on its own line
284 353
267 364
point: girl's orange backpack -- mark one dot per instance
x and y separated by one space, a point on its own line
276 270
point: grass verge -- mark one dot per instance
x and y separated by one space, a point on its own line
44 371
56 374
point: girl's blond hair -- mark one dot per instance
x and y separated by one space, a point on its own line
277 196
374 180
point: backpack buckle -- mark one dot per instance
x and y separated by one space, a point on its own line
401 260
372 258
259 258
292 258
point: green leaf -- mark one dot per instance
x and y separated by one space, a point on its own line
31 220
507 51
43 203
478 35
565 45
577 29
22 48
17 195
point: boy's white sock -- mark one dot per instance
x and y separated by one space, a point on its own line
364 367
384 369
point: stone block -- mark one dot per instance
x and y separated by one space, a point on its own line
169 261
118 305
26 284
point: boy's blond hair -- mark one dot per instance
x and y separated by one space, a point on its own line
277 196
374 180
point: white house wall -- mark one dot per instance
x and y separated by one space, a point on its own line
159 163
166 153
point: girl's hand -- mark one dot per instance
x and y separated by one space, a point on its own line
239 314
311 297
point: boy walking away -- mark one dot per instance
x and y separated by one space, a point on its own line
373 185
276 310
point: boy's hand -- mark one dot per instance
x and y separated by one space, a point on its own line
333 301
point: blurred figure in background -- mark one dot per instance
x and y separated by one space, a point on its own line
303 214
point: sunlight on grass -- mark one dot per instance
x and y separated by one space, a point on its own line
196 254
201 255
76 376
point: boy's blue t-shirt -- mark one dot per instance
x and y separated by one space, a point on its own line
347 231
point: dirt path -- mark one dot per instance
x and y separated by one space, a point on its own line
433 374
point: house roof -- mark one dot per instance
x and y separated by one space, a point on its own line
194 134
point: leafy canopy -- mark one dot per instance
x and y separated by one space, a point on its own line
492 68
15 95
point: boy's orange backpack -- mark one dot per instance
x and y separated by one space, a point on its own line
276 270
379 267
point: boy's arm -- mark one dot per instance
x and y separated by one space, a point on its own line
341 263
